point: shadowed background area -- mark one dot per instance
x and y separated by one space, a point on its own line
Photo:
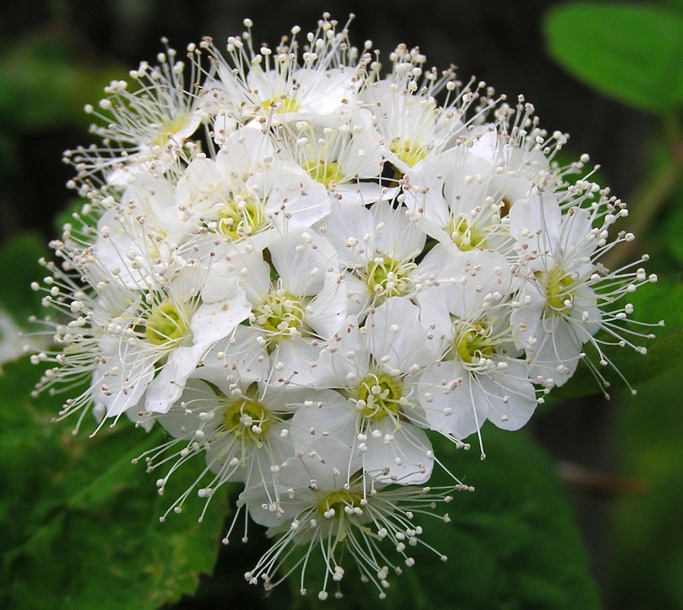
498 42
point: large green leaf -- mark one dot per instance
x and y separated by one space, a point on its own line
631 52
81 524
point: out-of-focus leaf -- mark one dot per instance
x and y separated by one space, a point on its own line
8 163
673 233
80 523
650 441
75 214
675 4
652 303
42 85
631 52
511 544
18 267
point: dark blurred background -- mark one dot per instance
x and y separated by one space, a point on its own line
499 41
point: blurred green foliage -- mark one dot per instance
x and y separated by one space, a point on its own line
635 54
45 81
18 269
80 523
646 549
630 51
43 84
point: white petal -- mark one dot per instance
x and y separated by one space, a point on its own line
328 312
183 421
242 359
167 387
122 377
213 321
302 258
453 403
393 234
398 454
397 338
536 220
512 398
328 414
294 361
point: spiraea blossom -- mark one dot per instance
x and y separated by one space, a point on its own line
306 267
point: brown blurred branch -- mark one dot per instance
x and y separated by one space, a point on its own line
601 482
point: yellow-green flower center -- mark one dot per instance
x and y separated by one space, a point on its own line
466 236
325 172
280 105
474 342
558 288
411 153
336 503
379 396
247 420
387 277
281 313
240 217
165 324
169 128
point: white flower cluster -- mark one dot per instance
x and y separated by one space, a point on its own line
299 264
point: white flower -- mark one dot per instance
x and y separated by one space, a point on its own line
287 83
377 247
330 507
341 151
375 369
339 263
249 195
137 341
240 427
298 309
478 377
154 345
150 121
455 198
563 300
143 229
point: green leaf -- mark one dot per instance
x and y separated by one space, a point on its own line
631 52
18 268
673 229
675 5
81 524
512 543
650 445
652 303
77 213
